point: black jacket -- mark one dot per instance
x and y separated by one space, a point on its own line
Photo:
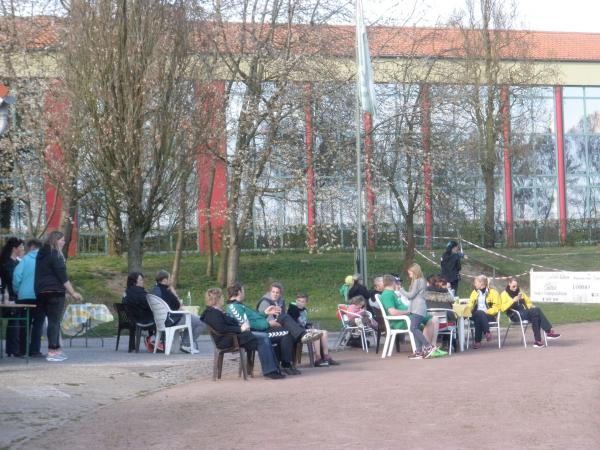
358 289
50 272
451 266
162 291
7 269
222 323
136 304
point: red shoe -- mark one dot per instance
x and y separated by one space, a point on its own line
552 335
488 336
149 345
477 345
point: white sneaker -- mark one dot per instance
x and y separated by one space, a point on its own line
187 349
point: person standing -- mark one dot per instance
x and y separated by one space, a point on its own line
51 286
451 265
24 287
11 254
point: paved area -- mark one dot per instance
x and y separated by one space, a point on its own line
513 398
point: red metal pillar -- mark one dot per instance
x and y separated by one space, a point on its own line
562 197
56 111
504 97
212 97
426 135
310 173
368 119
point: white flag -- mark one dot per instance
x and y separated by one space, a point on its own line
364 69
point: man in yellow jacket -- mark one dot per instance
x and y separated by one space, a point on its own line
515 303
485 305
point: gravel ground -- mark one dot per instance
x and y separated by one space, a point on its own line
514 398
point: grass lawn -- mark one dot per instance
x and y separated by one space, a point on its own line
102 279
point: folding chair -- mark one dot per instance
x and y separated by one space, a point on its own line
495 324
348 330
523 324
447 328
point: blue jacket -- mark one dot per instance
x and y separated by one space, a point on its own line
24 277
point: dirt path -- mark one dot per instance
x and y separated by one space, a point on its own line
513 398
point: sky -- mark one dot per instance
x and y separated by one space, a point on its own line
546 15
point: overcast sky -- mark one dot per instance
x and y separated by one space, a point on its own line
547 15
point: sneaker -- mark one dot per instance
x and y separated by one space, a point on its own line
274 376
415 355
331 361
477 345
321 363
56 357
538 344
488 336
552 335
291 370
37 355
428 351
188 349
438 353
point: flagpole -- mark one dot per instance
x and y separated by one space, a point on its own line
359 210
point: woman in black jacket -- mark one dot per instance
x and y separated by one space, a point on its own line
10 256
451 266
51 285
137 306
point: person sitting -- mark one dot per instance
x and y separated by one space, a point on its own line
437 294
259 324
377 290
215 317
357 287
358 311
165 291
485 305
297 310
394 307
515 302
136 305
278 318
345 287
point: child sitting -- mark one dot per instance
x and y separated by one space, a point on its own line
357 308
298 311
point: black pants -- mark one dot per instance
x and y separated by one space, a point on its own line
285 343
53 306
288 323
12 330
536 317
37 317
482 323
454 285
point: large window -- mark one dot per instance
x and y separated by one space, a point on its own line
582 150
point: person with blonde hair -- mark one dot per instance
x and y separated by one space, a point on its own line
485 305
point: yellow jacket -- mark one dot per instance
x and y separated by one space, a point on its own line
508 301
492 301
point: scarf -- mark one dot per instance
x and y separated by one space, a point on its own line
512 294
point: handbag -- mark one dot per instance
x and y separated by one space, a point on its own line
173 319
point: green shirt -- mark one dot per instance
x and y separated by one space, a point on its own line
237 310
389 300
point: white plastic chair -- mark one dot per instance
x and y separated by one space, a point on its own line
441 314
523 324
160 310
359 328
495 324
391 333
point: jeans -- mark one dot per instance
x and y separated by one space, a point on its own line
482 323
53 307
37 317
536 317
268 360
421 341
197 327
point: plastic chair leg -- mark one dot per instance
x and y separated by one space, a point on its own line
157 340
220 365
169 336
118 338
243 368
215 364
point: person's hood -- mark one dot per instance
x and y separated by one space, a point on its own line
32 254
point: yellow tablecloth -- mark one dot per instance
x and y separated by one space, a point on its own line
78 314
194 309
462 310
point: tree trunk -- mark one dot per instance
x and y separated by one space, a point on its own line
178 253
115 232
222 273
6 208
67 219
233 263
409 252
210 258
135 252
488 222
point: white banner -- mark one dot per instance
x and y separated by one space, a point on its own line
565 287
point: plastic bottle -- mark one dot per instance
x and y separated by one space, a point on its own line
189 298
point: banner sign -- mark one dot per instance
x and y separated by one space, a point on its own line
565 287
